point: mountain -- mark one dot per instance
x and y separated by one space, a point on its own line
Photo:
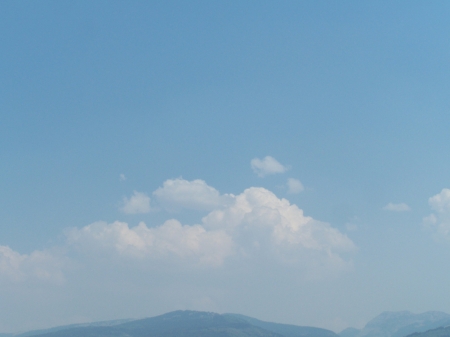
287 330
174 324
399 324
183 324
439 332
349 332
65 327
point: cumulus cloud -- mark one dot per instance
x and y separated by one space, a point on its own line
267 166
137 203
169 240
258 220
253 227
254 224
439 222
195 194
401 207
441 202
39 265
294 186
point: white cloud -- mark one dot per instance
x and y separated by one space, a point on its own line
39 265
122 177
137 203
439 222
441 201
254 227
401 207
166 241
195 194
294 186
254 238
259 222
254 224
266 166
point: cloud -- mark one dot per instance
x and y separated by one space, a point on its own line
168 241
122 177
259 222
255 224
439 222
267 166
246 244
195 194
441 202
294 186
39 265
401 207
252 228
137 203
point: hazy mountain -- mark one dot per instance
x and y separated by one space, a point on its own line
287 330
183 324
207 324
65 327
349 332
174 324
439 332
399 324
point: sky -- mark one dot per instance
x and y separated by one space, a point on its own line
284 160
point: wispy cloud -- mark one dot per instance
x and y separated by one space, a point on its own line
401 207
137 203
294 186
267 166
39 265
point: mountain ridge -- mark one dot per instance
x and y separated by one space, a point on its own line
182 323
189 323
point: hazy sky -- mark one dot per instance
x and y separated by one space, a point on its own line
285 160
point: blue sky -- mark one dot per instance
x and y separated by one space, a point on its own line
126 129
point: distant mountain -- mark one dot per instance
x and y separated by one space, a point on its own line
439 332
208 324
287 330
183 324
65 327
399 324
349 332
174 324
